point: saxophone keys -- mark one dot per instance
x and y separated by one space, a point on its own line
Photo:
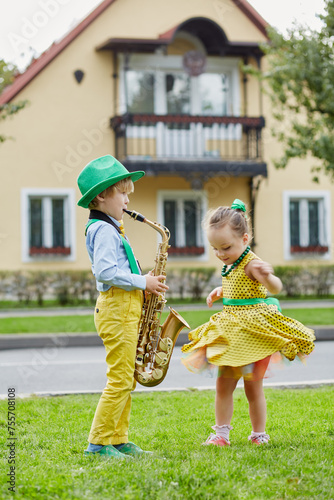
161 358
157 374
143 378
147 358
149 348
140 360
166 344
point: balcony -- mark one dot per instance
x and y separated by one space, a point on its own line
181 144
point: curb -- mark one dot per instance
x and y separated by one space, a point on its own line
38 341
61 340
307 384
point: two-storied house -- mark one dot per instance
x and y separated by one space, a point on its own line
159 85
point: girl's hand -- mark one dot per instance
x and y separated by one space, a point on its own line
216 294
263 272
155 284
262 268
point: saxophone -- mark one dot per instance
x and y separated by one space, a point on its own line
156 342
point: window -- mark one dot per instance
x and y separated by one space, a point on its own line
140 91
182 212
177 93
213 92
48 224
306 224
155 84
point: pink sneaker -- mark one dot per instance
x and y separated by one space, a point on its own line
216 440
261 439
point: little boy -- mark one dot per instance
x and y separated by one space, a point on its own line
105 184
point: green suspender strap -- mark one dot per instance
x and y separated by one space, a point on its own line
131 257
249 302
128 250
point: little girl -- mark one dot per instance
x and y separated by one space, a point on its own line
241 339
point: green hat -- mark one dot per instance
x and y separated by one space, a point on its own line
100 174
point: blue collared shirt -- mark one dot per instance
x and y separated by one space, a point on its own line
110 264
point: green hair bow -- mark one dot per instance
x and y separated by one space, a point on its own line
239 205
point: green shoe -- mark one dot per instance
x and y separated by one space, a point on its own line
108 451
129 449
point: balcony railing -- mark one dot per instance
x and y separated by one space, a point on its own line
185 137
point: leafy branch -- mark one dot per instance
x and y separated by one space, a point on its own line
8 72
299 80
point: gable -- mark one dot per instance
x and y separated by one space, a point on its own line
237 18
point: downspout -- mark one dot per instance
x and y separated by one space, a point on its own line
115 89
245 89
254 185
115 81
126 95
126 68
255 182
258 60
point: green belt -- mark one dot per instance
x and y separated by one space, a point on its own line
250 302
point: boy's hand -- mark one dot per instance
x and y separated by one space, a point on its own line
155 284
216 294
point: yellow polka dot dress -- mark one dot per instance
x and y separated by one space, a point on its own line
242 335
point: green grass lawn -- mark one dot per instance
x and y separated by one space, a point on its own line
52 303
52 434
67 324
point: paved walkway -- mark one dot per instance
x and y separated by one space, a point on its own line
57 371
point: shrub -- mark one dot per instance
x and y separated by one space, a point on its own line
312 280
190 282
193 283
291 279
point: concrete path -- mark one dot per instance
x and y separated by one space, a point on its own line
40 340
80 370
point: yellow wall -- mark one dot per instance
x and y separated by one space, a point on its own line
144 239
158 16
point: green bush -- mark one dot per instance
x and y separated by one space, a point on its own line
187 283
192 282
291 279
67 287
301 281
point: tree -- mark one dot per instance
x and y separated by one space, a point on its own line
300 83
7 76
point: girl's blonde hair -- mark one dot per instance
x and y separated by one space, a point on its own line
235 218
125 185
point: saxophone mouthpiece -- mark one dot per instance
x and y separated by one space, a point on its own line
135 215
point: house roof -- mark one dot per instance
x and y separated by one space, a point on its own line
47 57
252 15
